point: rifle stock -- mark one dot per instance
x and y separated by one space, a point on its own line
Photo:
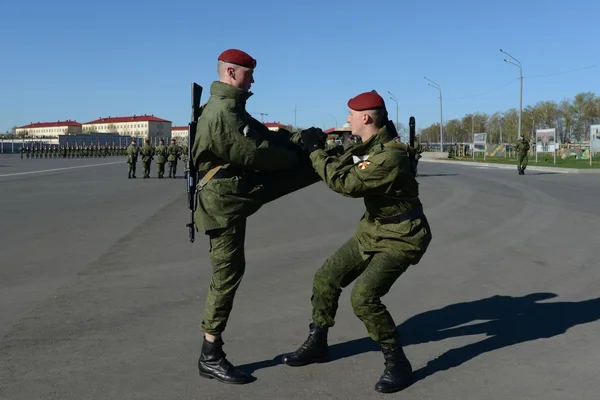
193 173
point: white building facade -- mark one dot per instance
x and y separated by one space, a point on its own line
142 126
180 134
49 129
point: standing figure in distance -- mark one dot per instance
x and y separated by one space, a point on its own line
132 156
147 155
161 158
392 235
174 154
522 150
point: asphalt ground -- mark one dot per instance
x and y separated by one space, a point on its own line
102 294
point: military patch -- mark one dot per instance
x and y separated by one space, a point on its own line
364 165
362 162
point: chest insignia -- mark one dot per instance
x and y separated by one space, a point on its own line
361 161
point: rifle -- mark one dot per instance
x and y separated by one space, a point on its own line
192 174
411 141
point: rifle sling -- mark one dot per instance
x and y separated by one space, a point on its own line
209 175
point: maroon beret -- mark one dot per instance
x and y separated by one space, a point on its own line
238 57
366 101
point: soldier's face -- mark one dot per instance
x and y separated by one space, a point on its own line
357 120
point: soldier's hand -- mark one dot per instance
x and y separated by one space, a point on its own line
313 139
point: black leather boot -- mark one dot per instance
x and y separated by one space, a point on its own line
313 350
212 364
398 374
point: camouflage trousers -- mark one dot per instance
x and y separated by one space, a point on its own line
374 277
146 167
522 161
227 245
173 168
160 169
132 166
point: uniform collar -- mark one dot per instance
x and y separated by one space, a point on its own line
221 89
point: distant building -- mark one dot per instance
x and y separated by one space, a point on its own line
274 126
341 134
180 133
140 126
49 129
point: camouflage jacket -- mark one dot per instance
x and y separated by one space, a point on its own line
132 153
522 146
147 152
161 154
379 172
227 134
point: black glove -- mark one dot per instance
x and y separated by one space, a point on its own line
313 139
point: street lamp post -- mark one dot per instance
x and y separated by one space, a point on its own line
394 98
436 86
517 64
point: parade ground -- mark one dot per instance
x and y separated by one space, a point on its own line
102 294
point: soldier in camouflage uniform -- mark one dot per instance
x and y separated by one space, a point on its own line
241 165
392 235
173 152
132 156
522 149
147 155
161 158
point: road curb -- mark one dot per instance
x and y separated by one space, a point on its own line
504 166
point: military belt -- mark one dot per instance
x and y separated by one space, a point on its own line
405 216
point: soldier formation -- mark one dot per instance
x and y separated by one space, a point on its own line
164 154
161 154
57 151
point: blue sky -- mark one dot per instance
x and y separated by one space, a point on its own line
82 60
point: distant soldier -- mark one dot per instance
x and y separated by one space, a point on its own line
161 158
132 155
174 154
522 149
147 155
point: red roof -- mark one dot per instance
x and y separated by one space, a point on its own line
68 122
135 118
343 129
179 128
274 125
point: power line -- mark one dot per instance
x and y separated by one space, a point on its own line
564 72
486 92
526 77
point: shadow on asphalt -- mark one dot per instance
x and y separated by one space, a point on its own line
505 320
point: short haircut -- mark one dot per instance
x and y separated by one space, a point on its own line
379 116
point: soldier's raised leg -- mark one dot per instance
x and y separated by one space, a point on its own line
276 184
228 260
